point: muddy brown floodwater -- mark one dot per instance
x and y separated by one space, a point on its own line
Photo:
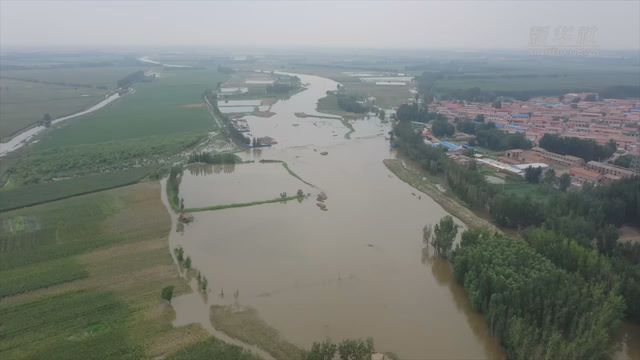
355 270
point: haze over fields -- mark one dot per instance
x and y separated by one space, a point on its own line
320 180
429 24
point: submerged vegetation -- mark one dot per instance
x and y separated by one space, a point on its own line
282 199
212 348
173 187
246 325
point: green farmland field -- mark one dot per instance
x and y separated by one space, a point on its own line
167 105
84 275
95 76
537 75
26 95
572 80
39 193
24 103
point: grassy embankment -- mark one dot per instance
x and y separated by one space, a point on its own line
212 348
432 187
83 276
246 325
237 205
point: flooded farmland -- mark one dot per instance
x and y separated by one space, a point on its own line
243 183
354 270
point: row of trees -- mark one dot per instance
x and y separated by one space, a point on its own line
488 136
173 186
136 76
416 113
586 149
347 349
215 159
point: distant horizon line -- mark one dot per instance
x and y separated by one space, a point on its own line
32 47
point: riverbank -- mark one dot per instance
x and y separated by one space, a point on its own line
439 194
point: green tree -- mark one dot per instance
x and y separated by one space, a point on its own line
167 293
187 263
549 177
325 350
532 174
179 253
356 349
564 182
46 120
441 127
444 234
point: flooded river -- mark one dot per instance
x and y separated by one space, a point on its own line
355 270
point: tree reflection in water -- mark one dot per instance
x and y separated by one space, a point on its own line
442 272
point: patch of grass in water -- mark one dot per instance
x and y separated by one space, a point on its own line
247 326
213 348
237 205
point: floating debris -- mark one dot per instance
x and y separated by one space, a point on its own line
321 197
185 218
324 153
322 206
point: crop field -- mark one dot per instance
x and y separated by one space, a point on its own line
24 103
93 76
519 75
40 193
572 80
160 107
51 164
83 276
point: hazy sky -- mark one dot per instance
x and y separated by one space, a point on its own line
366 24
